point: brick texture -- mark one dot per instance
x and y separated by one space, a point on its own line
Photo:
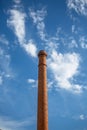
42 113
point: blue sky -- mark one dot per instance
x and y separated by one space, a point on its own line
59 27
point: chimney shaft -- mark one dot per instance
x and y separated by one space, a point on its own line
42 114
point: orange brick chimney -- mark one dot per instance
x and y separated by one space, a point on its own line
42 114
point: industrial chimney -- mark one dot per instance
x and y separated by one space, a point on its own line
42 112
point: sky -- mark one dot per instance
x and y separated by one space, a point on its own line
60 28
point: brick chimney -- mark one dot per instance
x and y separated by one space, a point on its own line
42 113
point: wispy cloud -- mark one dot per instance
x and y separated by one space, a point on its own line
38 17
82 117
1 80
16 22
5 70
79 6
73 42
9 124
83 42
3 40
75 29
30 48
50 84
58 38
32 82
17 1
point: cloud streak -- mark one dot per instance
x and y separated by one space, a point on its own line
5 69
3 40
83 42
79 6
16 22
32 82
30 48
9 124
38 17
17 1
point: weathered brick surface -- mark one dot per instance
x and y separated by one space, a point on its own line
42 114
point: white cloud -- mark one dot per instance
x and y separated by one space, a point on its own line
73 43
83 42
17 1
9 124
38 19
17 23
38 16
82 117
79 117
5 70
1 51
30 48
64 67
3 40
1 80
79 6
50 84
74 29
31 81
83 45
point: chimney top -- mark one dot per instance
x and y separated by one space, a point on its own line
42 52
